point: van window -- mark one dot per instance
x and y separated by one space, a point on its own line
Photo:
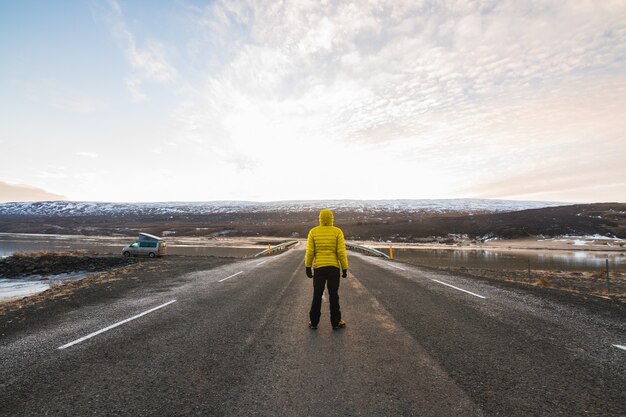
147 244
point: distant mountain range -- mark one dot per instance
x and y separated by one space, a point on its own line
396 220
82 208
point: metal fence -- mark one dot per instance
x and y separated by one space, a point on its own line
366 250
278 248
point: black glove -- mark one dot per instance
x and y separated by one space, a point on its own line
309 272
345 273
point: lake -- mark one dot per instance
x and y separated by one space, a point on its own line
578 260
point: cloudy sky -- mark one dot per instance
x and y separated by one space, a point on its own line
278 100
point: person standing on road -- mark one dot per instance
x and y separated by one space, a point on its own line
325 255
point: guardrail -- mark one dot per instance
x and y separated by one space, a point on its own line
365 249
277 248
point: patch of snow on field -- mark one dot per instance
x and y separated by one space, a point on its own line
14 288
592 237
11 289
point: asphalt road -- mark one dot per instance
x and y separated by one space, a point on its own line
235 342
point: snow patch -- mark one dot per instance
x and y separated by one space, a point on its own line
15 288
11 289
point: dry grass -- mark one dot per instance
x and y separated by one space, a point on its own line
543 282
40 253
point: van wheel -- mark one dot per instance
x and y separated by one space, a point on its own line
152 255
127 254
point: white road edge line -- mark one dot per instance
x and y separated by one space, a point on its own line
233 275
261 263
620 347
397 267
457 288
89 336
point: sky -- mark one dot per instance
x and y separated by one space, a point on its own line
189 100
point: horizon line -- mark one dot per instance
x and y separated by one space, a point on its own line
308 200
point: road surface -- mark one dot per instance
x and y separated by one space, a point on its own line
233 341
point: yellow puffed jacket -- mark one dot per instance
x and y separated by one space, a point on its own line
326 244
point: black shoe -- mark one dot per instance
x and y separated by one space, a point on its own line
312 326
339 325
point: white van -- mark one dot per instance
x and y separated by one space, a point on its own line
146 245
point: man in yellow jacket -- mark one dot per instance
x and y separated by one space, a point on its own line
325 255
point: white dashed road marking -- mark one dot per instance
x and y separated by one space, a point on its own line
233 275
261 263
620 347
443 283
89 336
457 288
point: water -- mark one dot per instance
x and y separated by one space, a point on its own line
514 260
11 243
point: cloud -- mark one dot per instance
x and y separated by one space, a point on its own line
411 65
87 154
447 99
16 192
53 94
51 172
550 180
149 63
471 89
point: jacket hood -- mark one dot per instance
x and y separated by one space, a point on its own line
326 218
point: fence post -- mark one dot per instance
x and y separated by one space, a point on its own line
269 249
608 280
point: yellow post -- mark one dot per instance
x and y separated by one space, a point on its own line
390 252
269 249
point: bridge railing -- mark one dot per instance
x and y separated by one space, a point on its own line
277 248
366 250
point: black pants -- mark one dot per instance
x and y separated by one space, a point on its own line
326 276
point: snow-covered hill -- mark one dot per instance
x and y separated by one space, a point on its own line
78 208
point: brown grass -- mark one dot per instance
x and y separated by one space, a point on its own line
543 282
39 253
